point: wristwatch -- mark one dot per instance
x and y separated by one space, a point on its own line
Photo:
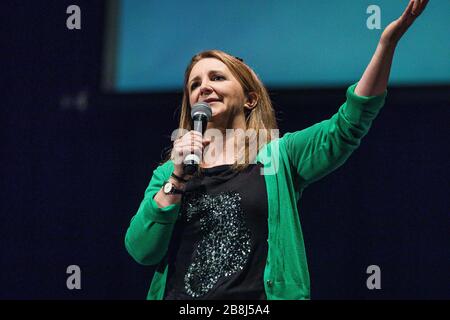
169 188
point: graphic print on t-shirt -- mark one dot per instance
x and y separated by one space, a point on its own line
225 242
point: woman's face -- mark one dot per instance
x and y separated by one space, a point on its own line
211 81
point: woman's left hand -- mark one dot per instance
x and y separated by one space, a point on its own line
396 29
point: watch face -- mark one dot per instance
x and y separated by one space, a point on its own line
167 187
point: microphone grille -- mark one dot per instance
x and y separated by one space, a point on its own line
201 108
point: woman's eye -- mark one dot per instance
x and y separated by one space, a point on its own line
195 84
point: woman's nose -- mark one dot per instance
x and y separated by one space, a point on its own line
205 89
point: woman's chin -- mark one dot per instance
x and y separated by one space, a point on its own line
215 113
218 114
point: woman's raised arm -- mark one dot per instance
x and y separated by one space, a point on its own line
376 76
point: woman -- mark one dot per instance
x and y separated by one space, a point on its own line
230 232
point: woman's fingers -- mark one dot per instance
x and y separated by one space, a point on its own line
412 11
409 9
191 142
418 7
408 13
423 6
416 4
189 138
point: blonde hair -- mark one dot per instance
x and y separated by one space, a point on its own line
261 118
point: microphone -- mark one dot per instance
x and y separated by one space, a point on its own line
200 113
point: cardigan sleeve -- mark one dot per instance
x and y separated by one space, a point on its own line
150 230
318 150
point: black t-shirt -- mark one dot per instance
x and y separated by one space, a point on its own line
219 243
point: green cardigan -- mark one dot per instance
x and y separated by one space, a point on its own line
291 163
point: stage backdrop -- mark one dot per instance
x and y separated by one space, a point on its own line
289 43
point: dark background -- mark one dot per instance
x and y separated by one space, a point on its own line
75 162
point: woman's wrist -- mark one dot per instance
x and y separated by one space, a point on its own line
163 200
179 177
178 184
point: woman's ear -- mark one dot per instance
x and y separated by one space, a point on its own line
251 102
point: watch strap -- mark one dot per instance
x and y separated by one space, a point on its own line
174 189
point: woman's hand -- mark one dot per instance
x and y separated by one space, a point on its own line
396 29
191 142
